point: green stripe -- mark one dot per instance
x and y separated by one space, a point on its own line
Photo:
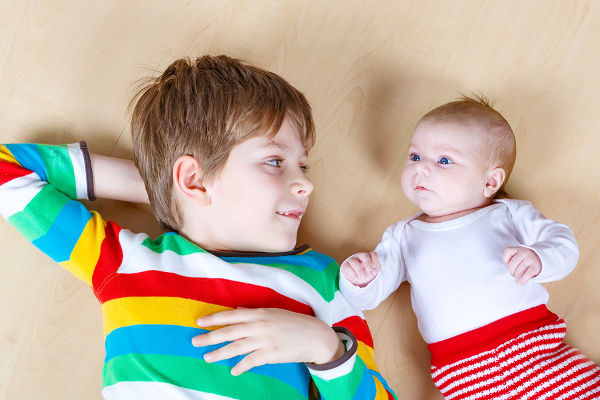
195 374
59 168
39 214
347 384
173 242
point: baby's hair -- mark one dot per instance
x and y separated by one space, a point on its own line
203 108
500 145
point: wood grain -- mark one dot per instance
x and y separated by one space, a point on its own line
370 70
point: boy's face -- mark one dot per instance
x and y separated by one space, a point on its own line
446 171
259 197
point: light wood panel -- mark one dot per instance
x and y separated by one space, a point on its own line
370 70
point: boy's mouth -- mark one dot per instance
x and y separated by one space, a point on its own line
421 188
293 214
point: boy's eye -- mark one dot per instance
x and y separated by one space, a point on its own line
304 168
414 157
274 162
445 161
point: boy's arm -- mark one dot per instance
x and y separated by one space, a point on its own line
39 188
553 242
117 179
355 375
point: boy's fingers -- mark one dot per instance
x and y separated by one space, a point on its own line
252 360
228 317
234 349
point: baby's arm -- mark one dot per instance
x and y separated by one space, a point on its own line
547 250
361 268
367 279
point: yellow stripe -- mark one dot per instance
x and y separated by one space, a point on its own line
128 311
367 355
86 252
304 252
6 155
380 390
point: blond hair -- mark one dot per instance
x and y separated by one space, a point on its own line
203 108
500 145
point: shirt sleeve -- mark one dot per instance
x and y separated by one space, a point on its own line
391 275
553 242
354 375
39 189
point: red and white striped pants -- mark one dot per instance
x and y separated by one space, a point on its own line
522 356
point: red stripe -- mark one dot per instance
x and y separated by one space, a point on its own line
519 382
482 358
521 363
109 260
490 336
390 397
223 292
10 171
359 329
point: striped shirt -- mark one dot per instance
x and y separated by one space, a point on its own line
152 292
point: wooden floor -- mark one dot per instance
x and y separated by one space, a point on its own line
370 70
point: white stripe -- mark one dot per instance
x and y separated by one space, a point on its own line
503 354
155 391
17 193
78 162
573 391
518 378
469 361
138 258
336 372
570 372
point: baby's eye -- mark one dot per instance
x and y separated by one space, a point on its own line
414 157
304 168
274 162
445 161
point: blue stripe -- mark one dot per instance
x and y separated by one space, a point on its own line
29 157
177 341
381 379
65 231
312 259
366 389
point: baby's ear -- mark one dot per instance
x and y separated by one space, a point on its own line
494 180
187 180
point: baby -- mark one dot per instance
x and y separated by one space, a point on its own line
475 264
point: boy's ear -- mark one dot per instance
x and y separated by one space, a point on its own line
494 180
187 180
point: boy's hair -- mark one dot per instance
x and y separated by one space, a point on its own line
203 108
499 140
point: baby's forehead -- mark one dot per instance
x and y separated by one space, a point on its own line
452 134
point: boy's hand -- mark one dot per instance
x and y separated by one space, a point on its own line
522 263
269 336
361 268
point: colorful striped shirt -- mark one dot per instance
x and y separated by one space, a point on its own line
152 292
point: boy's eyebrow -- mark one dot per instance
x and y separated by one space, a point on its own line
281 146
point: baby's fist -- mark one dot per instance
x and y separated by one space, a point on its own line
361 268
522 263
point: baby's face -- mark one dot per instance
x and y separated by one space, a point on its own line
260 196
446 171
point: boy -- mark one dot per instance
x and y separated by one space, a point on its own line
475 265
222 150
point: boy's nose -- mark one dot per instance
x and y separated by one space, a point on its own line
301 185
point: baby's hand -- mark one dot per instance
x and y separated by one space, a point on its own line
522 263
361 268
